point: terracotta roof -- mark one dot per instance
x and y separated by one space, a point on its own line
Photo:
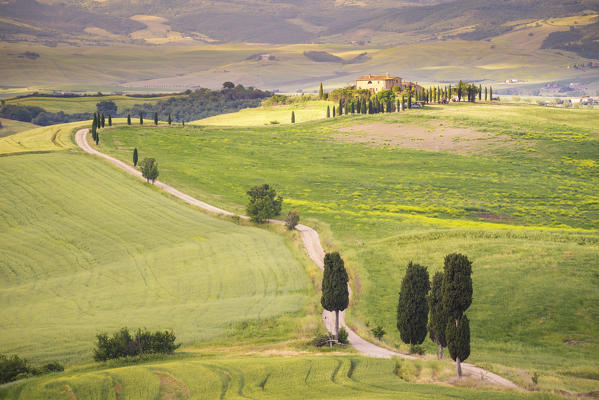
377 78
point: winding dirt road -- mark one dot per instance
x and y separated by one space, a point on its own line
316 253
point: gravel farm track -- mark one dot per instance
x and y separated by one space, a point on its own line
316 253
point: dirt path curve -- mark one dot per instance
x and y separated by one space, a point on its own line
315 252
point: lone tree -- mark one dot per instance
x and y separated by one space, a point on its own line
328 111
135 157
109 120
149 169
320 92
264 203
457 297
155 118
141 117
170 120
128 119
335 294
412 309
292 117
292 220
438 319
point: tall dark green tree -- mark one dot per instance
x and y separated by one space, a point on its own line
437 318
320 92
135 157
183 121
480 92
491 93
486 93
292 117
333 111
170 120
109 120
141 118
103 120
155 118
409 100
457 297
328 111
412 309
128 119
335 294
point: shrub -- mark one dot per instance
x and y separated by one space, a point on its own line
292 220
378 332
12 368
343 336
122 344
322 339
53 367
535 378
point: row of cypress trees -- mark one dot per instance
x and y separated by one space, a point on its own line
141 119
449 298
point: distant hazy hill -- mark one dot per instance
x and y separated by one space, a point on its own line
271 21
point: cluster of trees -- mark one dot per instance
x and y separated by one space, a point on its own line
440 313
98 122
352 100
39 116
123 344
14 368
202 103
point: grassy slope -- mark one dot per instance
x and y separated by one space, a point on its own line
42 139
87 104
372 202
86 248
296 377
10 127
307 111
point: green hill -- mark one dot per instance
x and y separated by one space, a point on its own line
86 248
514 187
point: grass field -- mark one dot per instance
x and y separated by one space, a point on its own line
512 186
270 115
86 248
86 104
42 139
263 377
10 127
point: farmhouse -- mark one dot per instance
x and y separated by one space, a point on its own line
376 83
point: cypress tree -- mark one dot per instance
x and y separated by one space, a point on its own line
333 111
486 93
364 109
457 297
109 120
340 108
183 121
141 118
450 92
135 157
292 117
103 120
480 92
170 120
412 308
491 93
128 119
438 319
335 295
397 106
328 111
409 100
320 92
155 118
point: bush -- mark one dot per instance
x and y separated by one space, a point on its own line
149 169
378 332
122 344
292 220
12 368
322 339
264 203
53 367
417 349
343 336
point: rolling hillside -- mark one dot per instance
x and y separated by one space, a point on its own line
87 249
388 189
